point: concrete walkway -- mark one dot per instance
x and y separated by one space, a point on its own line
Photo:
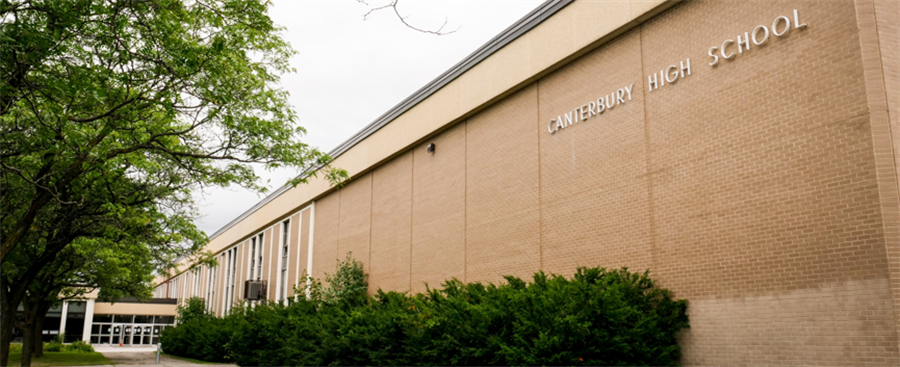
144 356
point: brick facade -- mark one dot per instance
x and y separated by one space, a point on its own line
749 188
763 189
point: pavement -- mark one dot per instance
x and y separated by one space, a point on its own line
144 356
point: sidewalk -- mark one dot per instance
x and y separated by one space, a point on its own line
144 356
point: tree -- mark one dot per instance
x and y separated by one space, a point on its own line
112 111
117 250
82 268
194 308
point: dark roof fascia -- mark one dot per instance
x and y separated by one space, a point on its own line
523 25
151 301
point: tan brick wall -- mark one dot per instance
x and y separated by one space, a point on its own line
502 190
761 168
750 189
836 324
325 236
764 184
389 267
764 189
887 14
879 37
439 210
594 190
356 219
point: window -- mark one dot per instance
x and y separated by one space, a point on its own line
230 257
252 259
260 262
211 289
227 257
196 290
256 257
284 259
234 252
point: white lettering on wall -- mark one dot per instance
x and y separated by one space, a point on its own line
728 50
593 108
669 75
780 27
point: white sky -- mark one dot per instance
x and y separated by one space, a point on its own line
351 71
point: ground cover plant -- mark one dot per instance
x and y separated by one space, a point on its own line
63 358
75 354
595 317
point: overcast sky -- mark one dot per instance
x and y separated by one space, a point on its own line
351 71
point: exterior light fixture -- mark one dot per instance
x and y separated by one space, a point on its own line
430 148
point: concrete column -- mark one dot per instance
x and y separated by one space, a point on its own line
62 317
88 320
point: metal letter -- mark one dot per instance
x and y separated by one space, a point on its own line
683 67
591 106
584 112
722 51
745 41
712 51
787 25
756 31
550 126
601 107
630 88
610 101
669 71
619 94
651 82
797 20
568 119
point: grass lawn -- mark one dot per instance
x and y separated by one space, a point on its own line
186 359
61 359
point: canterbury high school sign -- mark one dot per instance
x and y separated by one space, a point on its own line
729 49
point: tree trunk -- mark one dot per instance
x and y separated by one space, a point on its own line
28 344
7 318
39 336
36 308
35 311
43 307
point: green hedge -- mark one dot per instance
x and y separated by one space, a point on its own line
203 338
598 317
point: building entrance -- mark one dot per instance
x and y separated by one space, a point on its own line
118 331
128 329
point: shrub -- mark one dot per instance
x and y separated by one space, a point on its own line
200 338
79 346
53 346
193 308
598 317
15 348
348 284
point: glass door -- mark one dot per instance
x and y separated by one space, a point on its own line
126 334
117 330
137 333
